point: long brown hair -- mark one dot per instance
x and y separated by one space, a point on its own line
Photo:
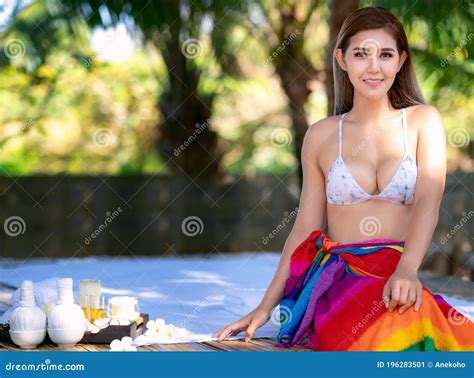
405 90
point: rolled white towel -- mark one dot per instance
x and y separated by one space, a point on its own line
45 295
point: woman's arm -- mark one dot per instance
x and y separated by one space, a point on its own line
431 155
431 159
311 213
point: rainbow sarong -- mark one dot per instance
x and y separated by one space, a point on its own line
332 301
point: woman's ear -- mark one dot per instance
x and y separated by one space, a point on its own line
340 59
403 57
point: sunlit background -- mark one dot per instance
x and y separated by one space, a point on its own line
81 82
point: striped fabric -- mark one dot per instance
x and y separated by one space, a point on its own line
332 301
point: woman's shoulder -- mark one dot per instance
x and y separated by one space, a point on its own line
424 117
318 135
324 127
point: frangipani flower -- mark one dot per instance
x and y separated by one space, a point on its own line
176 332
98 325
124 345
163 332
157 328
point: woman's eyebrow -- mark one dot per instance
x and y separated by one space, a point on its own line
383 49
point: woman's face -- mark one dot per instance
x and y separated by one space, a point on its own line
372 62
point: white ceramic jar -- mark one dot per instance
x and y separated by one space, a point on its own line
27 322
66 320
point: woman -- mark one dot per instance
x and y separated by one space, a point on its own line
376 170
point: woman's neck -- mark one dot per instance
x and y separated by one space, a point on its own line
366 110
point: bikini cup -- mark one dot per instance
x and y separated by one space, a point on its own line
343 189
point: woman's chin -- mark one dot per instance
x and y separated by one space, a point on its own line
373 95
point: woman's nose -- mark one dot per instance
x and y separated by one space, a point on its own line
373 64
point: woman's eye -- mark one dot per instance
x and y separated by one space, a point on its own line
364 55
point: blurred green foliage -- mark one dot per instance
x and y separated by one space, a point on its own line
76 113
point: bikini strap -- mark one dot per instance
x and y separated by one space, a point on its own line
340 133
404 121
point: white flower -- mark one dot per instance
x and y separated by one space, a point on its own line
176 332
157 328
122 345
98 325
162 332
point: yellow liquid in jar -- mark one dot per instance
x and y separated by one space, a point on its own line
93 314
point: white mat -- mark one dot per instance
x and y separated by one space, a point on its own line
200 295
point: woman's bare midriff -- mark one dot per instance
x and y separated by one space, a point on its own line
372 219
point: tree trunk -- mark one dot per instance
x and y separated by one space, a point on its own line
185 139
295 72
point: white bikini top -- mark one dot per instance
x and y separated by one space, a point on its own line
342 189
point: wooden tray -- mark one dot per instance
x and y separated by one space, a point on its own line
112 332
104 336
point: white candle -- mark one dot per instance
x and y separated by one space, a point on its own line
89 293
123 308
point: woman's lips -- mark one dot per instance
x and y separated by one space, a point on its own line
373 82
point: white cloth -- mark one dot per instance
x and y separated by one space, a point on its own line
198 294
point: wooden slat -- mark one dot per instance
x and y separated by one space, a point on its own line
54 347
260 345
96 347
237 345
181 347
7 346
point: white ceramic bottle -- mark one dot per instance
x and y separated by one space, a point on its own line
27 322
66 320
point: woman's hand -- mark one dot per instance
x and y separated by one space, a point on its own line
402 288
249 323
